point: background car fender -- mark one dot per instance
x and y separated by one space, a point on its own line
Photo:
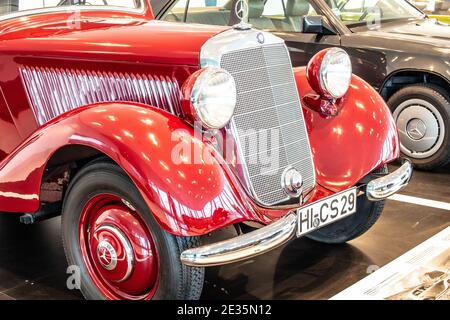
441 74
186 198
434 62
354 143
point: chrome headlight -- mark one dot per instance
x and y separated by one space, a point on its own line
213 97
335 72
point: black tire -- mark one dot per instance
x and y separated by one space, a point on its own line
176 281
440 100
352 227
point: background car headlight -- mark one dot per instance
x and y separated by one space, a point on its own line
330 72
213 97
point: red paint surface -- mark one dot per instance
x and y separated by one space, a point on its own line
313 73
107 41
186 199
360 139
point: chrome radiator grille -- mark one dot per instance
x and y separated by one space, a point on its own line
268 111
55 91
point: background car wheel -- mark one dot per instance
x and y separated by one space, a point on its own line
422 114
111 235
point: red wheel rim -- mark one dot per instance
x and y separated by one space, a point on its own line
118 249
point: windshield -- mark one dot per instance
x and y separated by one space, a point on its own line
19 6
359 12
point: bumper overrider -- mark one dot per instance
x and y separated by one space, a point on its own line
274 235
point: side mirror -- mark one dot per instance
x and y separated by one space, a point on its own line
316 24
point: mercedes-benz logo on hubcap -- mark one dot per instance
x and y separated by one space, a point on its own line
107 255
416 129
241 10
292 182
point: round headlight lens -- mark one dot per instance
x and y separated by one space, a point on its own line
214 97
336 72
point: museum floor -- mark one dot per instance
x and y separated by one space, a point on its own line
32 262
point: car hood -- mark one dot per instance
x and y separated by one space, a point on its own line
114 38
418 33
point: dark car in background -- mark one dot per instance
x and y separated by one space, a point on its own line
393 46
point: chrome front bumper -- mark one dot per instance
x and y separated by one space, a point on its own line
389 184
274 235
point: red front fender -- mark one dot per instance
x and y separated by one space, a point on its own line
357 141
186 198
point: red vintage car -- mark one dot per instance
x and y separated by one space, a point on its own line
149 135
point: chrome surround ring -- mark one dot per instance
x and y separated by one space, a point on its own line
126 246
323 71
199 88
421 128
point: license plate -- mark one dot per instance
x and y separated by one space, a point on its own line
326 211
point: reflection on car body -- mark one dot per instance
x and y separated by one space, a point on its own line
394 46
147 136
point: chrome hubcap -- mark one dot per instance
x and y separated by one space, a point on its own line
421 128
118 249
114 253
106 255
416 129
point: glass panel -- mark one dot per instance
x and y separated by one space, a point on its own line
279 15
272 15
360 12
439 9
215 12
176 13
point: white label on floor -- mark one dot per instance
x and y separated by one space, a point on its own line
422 273
421 201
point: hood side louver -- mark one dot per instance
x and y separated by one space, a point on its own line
53 92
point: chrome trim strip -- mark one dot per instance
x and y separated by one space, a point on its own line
244 246
381 188
74 8
233 40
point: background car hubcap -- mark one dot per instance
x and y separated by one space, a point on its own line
416 129
421 128
118 249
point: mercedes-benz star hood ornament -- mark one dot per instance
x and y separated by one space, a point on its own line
241 11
